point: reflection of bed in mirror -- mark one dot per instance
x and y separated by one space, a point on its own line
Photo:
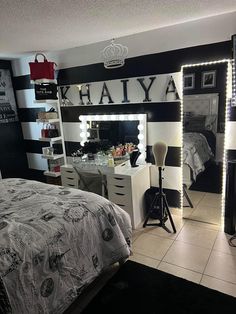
199 136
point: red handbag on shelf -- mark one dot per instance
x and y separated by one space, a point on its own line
41 70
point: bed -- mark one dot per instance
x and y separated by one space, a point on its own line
199 136
54 241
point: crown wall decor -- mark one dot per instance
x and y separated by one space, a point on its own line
114 55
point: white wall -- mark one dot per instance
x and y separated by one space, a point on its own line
200 32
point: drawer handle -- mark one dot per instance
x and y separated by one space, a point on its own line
70 178
120 205
70 184
119 194
69 171
119 178
119 186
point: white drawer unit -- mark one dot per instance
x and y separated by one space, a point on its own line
69 177
126 189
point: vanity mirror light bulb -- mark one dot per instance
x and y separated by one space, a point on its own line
140 127
140 136
82 143
82 118
140 146
82 134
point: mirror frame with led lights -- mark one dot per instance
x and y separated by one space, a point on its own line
228 86
142 127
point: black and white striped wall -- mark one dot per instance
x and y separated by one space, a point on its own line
163 118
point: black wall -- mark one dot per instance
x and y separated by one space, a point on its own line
13 160
153 64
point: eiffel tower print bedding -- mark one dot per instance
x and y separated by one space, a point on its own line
54 242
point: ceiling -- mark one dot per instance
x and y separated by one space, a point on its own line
27 26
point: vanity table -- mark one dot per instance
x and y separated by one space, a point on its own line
126 186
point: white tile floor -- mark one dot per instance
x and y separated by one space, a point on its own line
198 252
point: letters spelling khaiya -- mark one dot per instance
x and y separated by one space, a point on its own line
84 91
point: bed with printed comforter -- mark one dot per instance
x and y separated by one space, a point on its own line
54 242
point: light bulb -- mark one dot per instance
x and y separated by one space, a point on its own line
140 127
81 118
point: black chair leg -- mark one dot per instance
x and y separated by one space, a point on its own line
187 197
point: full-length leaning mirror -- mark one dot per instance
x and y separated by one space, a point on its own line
204 101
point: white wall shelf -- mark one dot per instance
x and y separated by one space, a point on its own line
52 174
46 101
43 81
53 157
60 157
47 120
50 139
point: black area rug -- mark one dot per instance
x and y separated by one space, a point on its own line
136 288
210 180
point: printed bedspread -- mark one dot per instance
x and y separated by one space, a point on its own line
196 152
54 241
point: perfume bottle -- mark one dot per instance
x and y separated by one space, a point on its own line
110 161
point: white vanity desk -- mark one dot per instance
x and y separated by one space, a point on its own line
126 186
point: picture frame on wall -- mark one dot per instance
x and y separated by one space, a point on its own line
189 81
209 79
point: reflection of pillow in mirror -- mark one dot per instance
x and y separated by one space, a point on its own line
188 114
195 124
210 123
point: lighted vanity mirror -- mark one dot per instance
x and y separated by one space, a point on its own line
115 129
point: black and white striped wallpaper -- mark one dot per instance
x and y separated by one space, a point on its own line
163 118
